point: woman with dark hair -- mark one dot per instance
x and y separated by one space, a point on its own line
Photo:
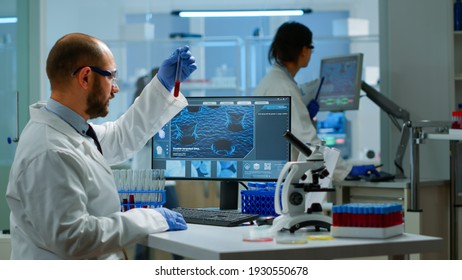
290 51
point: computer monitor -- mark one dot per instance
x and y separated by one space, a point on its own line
342 82
228 139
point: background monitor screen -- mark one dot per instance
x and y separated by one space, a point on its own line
342 82
237 138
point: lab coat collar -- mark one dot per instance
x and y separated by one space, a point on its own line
286 71
40 115
68 115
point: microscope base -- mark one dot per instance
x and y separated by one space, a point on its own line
293 223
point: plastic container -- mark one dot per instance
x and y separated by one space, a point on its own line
259 202
258 199
367 220
378 215
457 119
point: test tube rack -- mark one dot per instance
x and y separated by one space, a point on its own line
259 199
140 188
367 220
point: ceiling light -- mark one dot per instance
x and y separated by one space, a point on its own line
242 13
8 20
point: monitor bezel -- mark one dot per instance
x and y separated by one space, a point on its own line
358 57
230 179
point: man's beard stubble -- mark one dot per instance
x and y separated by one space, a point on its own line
95 106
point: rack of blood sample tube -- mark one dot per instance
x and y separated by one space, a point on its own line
367 220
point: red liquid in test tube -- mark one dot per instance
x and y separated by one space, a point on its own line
176 91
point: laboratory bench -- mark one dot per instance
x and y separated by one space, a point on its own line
226 243
433 201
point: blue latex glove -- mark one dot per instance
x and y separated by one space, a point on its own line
174 219
363 170
313 108
167 70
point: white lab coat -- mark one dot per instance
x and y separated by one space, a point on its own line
279 82
63 199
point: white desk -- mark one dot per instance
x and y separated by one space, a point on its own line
5 246
222 243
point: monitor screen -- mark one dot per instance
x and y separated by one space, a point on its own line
342 82
233 138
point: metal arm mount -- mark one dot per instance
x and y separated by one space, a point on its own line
395 112
417 129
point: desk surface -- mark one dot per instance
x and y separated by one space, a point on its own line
214 243
395 184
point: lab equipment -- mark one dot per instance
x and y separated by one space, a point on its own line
342 82
380 176
224 218
335 130
259 200
177 77
168 69
395 112
370 220
321 81
456 118
261 233
285 237
228 139
299 178
265 220
140 188
363 170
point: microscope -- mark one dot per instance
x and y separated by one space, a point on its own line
298 178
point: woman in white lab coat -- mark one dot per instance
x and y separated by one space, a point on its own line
62 196
290 51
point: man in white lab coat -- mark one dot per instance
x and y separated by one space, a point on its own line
62 195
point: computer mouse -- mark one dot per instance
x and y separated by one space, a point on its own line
265 220
352 178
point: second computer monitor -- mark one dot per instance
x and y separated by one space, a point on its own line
342 82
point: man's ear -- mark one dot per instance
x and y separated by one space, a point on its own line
83 77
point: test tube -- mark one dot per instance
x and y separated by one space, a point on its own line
116 175
155 186
146 187
123 178
129 187
177 77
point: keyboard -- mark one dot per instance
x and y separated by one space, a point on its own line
223 218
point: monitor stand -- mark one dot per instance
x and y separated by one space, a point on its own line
229 195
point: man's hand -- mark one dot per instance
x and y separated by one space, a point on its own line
174 219
167 70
